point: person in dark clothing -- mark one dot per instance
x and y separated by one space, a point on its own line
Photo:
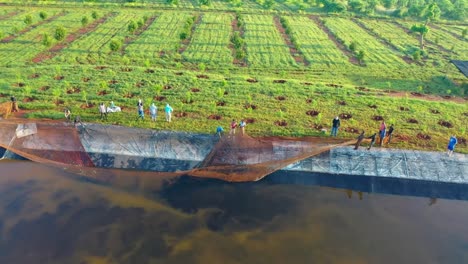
359 140
77 120
389 134
14 104
372 138
335 126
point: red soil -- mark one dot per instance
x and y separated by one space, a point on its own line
297 55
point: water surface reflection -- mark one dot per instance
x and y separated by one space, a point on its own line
50 216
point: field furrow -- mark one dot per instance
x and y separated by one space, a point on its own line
264 44
314 43
210 41
375 52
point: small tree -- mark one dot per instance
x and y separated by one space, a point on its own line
422 30
115 45
94 15
360 56
132 26
43 15
84 21
46 40
59 34
353 46
416 55
28 20
202 67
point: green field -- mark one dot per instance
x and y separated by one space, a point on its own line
198 75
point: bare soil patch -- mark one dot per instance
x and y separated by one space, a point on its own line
334 85
281 123
403 137
280 98
252 106
86 106
362 88
126 69
403 108
445 123
202 76
149 71
159 98
59 102
129 95
103 92
434 111
100 67
181 114
86 79
279 81
34 76
312 112
28 99
373 106
345 116
341 103
250 120
73 90
462 141
423 136
3 95
113 82
318 127
19 84
307 83
412 121
252 80
195 90
44 88
377 118
59 77
352 130
215 117
221 103
178 73
167 87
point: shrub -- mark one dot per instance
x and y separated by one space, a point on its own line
28 20
353 46
59 33
46 40
84 21
43 15
416 55
132 26
115 45
94 15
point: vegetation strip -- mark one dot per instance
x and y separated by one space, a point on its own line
332 37
285 31
26 30
138 32
384 41
52 52
8 15
186 35
455 35
237 41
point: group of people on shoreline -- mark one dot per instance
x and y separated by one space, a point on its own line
233 126
383 135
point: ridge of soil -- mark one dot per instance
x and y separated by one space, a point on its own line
352 59
295 53
52 52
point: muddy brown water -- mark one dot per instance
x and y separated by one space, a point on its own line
48 215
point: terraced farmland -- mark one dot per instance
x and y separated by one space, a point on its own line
210 41
265 45
14 24
377 54
161 37
26 46
314 43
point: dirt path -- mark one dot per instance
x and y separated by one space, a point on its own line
295 53
52 52
27 29
335 40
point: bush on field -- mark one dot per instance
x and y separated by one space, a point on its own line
115 45
132 26
46 40
84 21
43 15
28 20
59 33
94 15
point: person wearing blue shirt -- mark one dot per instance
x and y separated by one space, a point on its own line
168 109
219 131
451 145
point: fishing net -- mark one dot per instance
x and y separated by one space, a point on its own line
86 146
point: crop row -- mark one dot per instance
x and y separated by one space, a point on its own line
14 24
313 42
161 36
264 44
210 40
26 46
376 53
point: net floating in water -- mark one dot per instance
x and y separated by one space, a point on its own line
87 146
